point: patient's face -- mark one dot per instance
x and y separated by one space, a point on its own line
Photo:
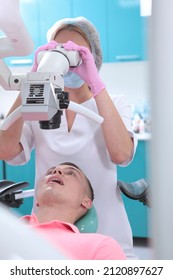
62 184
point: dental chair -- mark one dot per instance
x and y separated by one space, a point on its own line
12 195
31 244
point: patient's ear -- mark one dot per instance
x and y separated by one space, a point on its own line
87 203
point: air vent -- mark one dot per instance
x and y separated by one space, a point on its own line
36 90
36 94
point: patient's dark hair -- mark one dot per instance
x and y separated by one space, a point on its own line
88 181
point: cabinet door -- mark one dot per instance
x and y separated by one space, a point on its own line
1 170
126 31
50 12
136 211
95 11
30 15
23 173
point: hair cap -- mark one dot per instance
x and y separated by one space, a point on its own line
87 28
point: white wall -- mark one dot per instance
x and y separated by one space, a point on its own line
130 79
127 78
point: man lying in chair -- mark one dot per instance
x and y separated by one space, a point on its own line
63 196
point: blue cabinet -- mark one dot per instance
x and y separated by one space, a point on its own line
1 170
95 11
126 31
50 12
23 173
123 33
136 211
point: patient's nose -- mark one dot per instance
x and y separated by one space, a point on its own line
58 170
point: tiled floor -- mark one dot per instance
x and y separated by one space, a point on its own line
142 249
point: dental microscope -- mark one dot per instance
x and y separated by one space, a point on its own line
42 92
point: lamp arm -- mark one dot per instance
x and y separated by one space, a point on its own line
17 41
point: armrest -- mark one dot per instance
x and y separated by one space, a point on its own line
8 190
138 190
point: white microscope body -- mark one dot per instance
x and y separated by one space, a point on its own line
43 96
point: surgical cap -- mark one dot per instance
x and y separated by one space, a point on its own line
87 28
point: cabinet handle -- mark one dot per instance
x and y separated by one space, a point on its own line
127 57
21 62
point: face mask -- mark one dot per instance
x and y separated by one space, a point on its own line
72 80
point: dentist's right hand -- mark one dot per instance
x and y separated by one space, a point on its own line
49 46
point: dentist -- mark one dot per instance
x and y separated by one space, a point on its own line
96 149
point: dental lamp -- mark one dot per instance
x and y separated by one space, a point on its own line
42 92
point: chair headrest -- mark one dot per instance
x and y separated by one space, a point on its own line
89 222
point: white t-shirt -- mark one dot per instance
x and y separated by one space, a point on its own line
84 145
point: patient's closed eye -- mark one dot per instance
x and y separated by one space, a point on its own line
50 171
70 172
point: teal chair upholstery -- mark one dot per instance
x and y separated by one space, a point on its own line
89 222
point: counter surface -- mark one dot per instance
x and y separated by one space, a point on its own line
143 136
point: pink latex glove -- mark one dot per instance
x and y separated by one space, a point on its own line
48 46
87 70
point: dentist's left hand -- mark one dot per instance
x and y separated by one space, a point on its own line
87 70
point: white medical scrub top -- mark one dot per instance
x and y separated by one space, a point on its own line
84 145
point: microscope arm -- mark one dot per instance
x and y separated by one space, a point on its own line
17 41
8 80
15 115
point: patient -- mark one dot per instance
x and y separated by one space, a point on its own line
63 196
